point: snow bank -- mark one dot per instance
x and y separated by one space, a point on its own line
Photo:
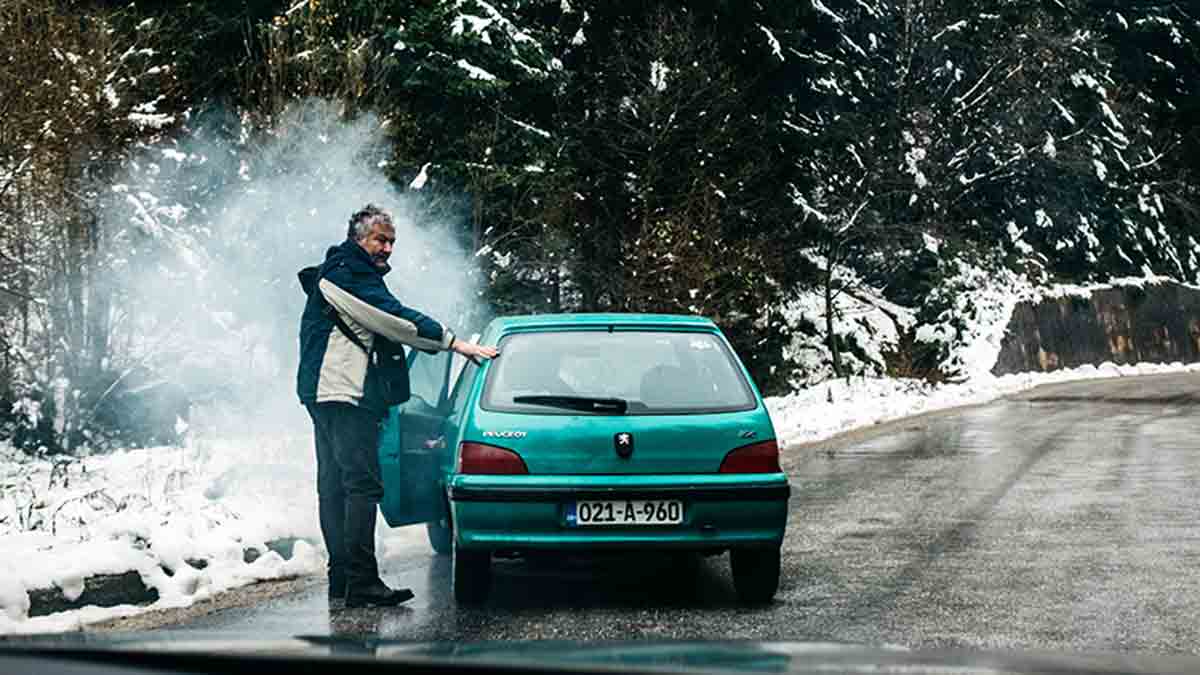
159 512
971 329
862 317
978 306
838 406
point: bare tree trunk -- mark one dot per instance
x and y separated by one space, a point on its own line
99 308
72 328
476 219
830 335
555 288
23 284
585 272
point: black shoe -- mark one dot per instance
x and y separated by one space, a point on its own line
377 595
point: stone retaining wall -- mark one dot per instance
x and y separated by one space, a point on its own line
1158 322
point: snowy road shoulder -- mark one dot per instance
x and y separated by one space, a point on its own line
189 522
838 406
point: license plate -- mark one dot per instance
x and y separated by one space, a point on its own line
621 512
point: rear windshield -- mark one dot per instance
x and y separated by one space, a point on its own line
652 372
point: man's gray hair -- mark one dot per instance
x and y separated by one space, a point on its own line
364 219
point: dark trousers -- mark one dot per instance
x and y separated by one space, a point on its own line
349 488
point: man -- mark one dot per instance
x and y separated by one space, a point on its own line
341 383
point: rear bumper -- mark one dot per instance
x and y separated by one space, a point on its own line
530 512
748 493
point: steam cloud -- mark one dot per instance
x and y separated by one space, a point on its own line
219 226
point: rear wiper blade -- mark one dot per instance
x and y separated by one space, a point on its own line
585 403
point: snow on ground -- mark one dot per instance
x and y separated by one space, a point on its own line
981 303
1086 290
149 510
838 406
972 329
873 324
863 317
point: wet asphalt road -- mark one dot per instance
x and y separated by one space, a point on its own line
1064 519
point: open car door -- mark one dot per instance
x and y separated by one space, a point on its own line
412 444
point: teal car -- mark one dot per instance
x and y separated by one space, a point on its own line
589 432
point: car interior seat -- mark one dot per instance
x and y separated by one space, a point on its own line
664 385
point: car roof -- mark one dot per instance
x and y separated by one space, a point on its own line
505 324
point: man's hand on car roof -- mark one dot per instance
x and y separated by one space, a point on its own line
474 351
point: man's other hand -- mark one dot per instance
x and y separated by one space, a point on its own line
473 350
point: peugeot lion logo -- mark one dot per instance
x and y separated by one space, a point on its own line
623 443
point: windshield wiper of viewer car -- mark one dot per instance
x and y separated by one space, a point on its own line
584 403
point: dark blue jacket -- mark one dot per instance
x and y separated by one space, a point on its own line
333 368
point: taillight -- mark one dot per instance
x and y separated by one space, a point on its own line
481 458
755 458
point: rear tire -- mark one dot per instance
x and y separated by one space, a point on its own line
685 567
441 535
472 576
755 573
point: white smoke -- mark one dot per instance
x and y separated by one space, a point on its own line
218 226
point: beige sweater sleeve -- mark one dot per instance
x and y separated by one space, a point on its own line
380 322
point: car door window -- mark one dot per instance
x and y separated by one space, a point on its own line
427 377
461 388
457 363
